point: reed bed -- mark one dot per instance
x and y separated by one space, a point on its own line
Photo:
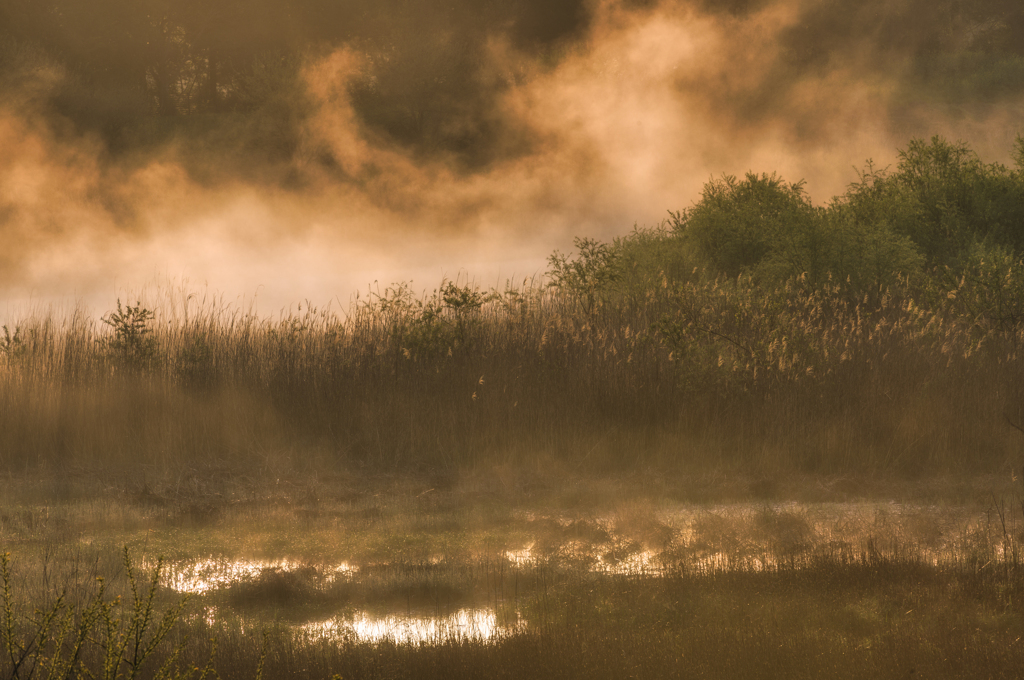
696 371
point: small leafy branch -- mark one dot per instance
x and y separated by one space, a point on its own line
12 344
431 325
132 342
106 638
587 277
461 303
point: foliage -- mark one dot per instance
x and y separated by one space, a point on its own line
430 326
741 226
839 344
12 344
740 336
944 199
863 253
988 291
1018 155
768 229
587 277
102 638
623 576
932 211
133 343
649 260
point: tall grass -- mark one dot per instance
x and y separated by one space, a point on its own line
879 333
696 372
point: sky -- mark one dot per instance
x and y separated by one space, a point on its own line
610 128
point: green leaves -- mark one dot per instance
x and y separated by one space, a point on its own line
988 290
938 205
432 325
586 277
112 639
132 343
739 224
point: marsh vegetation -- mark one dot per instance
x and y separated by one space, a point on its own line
763 439
582 577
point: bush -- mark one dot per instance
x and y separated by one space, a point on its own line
105 637
588 277
862 249
944 199
768 229
739 225
939 204
133 345
988 290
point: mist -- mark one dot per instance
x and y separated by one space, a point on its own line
416 144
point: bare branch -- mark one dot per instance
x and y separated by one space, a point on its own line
1013 424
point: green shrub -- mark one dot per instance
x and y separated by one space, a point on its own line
740 226
586 278
988 290
767 229
939 203
109 638
863 252
429 326
133 344
944 199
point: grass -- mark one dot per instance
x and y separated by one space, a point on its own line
928 581
680 456
703 374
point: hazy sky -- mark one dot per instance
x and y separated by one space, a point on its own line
625 121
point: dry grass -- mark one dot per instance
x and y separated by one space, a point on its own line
698 374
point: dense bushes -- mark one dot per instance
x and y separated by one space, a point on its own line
939 205
759 222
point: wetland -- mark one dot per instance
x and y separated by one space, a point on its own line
764 439
644 575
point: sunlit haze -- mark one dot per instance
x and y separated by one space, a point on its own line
617 119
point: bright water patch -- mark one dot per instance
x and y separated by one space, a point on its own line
464 624
649 544
744 536
764 537
204 575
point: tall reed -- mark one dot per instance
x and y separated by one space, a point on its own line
697 371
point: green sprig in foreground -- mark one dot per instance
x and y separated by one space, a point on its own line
101 638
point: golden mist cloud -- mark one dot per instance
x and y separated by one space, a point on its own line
626 123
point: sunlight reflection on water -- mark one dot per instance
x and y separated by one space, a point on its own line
201 576
465 624
699 540
748 536
763 536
